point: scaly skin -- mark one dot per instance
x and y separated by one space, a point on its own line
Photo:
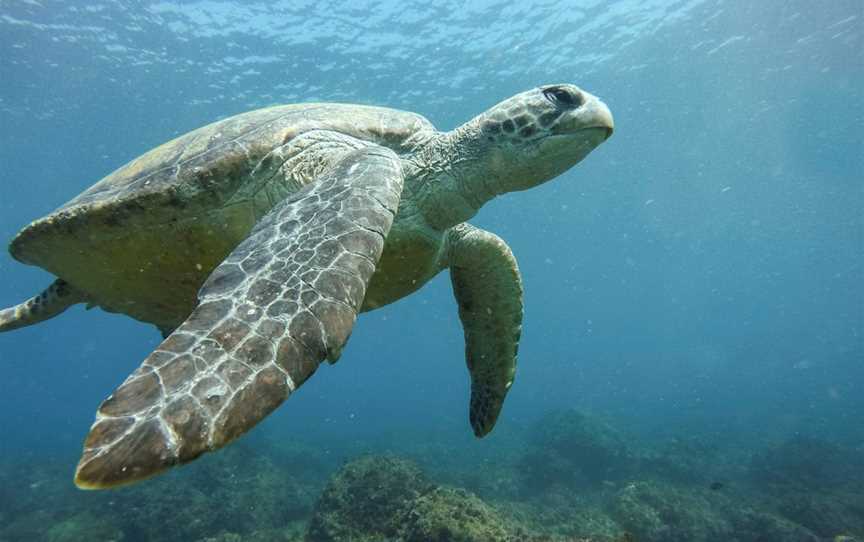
450 177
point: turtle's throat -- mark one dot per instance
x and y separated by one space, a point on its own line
474 167
454 177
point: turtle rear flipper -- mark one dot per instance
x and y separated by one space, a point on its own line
52 301
283 301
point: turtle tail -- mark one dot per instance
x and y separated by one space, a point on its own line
52 301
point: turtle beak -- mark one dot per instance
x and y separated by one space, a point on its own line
592 115
598 115
606 120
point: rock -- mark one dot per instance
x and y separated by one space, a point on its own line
366 499
378 498
568 449
452 515
809 463
815 483
655 512
84 527
756 526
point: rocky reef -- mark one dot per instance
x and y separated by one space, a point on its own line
660 512
820 484
807 462
570 449
386 498
568 477
581 477
366 500
243 491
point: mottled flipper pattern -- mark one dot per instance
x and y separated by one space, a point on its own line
488 289
52 301
284 300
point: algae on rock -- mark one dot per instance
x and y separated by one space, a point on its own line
377 498
452 515
365 500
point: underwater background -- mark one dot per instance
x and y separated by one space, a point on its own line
692 362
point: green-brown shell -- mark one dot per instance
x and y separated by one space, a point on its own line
206 166
179 208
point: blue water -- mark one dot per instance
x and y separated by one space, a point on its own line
698 274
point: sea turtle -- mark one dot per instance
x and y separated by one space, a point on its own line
253 243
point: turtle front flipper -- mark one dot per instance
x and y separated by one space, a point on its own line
488 289
284 300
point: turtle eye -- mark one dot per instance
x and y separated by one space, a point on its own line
562 97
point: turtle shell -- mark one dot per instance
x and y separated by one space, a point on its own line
142 240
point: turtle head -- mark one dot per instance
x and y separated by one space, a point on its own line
536 135
519 143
